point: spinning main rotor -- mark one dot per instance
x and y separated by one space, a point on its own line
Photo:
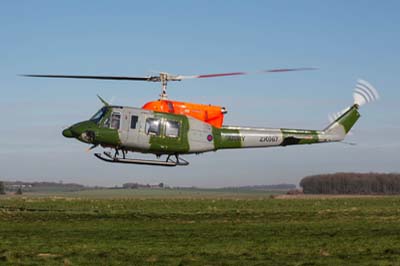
164 77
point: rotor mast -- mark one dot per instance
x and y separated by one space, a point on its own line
164 81
164 78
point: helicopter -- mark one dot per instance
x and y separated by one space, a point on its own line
172 129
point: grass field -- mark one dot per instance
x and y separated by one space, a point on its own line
88 230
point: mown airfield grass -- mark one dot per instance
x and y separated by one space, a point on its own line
209 228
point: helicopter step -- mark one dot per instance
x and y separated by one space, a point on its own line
168 162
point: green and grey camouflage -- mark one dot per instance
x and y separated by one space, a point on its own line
137 130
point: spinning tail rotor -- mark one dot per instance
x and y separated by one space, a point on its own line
364 93
342 122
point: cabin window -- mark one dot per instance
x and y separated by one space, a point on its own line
172 129
134 120
152 126
115 120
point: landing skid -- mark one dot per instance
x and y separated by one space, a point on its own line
169 162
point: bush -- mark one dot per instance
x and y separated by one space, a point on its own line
2 188
19 191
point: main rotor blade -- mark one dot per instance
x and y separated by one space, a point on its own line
167 77
92 77
277 70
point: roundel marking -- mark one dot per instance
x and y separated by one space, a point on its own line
209 137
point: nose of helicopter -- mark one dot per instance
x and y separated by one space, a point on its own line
77 129
84 131
67 133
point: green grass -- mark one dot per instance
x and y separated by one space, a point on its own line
199 231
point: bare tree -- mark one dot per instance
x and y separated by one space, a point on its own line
351 183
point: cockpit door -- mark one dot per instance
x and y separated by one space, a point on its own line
129 134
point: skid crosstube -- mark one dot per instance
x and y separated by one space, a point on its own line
168 162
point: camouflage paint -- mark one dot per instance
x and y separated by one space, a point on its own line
299 136
225 138
168 145
100 135
196 136
338 129
107 136
349 118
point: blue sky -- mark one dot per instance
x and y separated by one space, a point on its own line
346 40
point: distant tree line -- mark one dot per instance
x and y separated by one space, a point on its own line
2 188
137 185
15 186
351 183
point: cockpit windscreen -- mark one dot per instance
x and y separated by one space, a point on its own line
99 115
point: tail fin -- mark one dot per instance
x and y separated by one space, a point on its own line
345 120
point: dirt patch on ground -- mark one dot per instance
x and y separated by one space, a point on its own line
48 255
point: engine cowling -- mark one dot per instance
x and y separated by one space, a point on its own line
211 114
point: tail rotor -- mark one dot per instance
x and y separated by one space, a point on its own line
364 93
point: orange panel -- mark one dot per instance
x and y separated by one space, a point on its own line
213 115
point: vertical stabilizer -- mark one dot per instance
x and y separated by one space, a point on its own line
338 129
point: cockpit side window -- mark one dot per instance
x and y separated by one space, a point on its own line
152 126
134 120
115 120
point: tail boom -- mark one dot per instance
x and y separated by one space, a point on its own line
240 137
244 137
